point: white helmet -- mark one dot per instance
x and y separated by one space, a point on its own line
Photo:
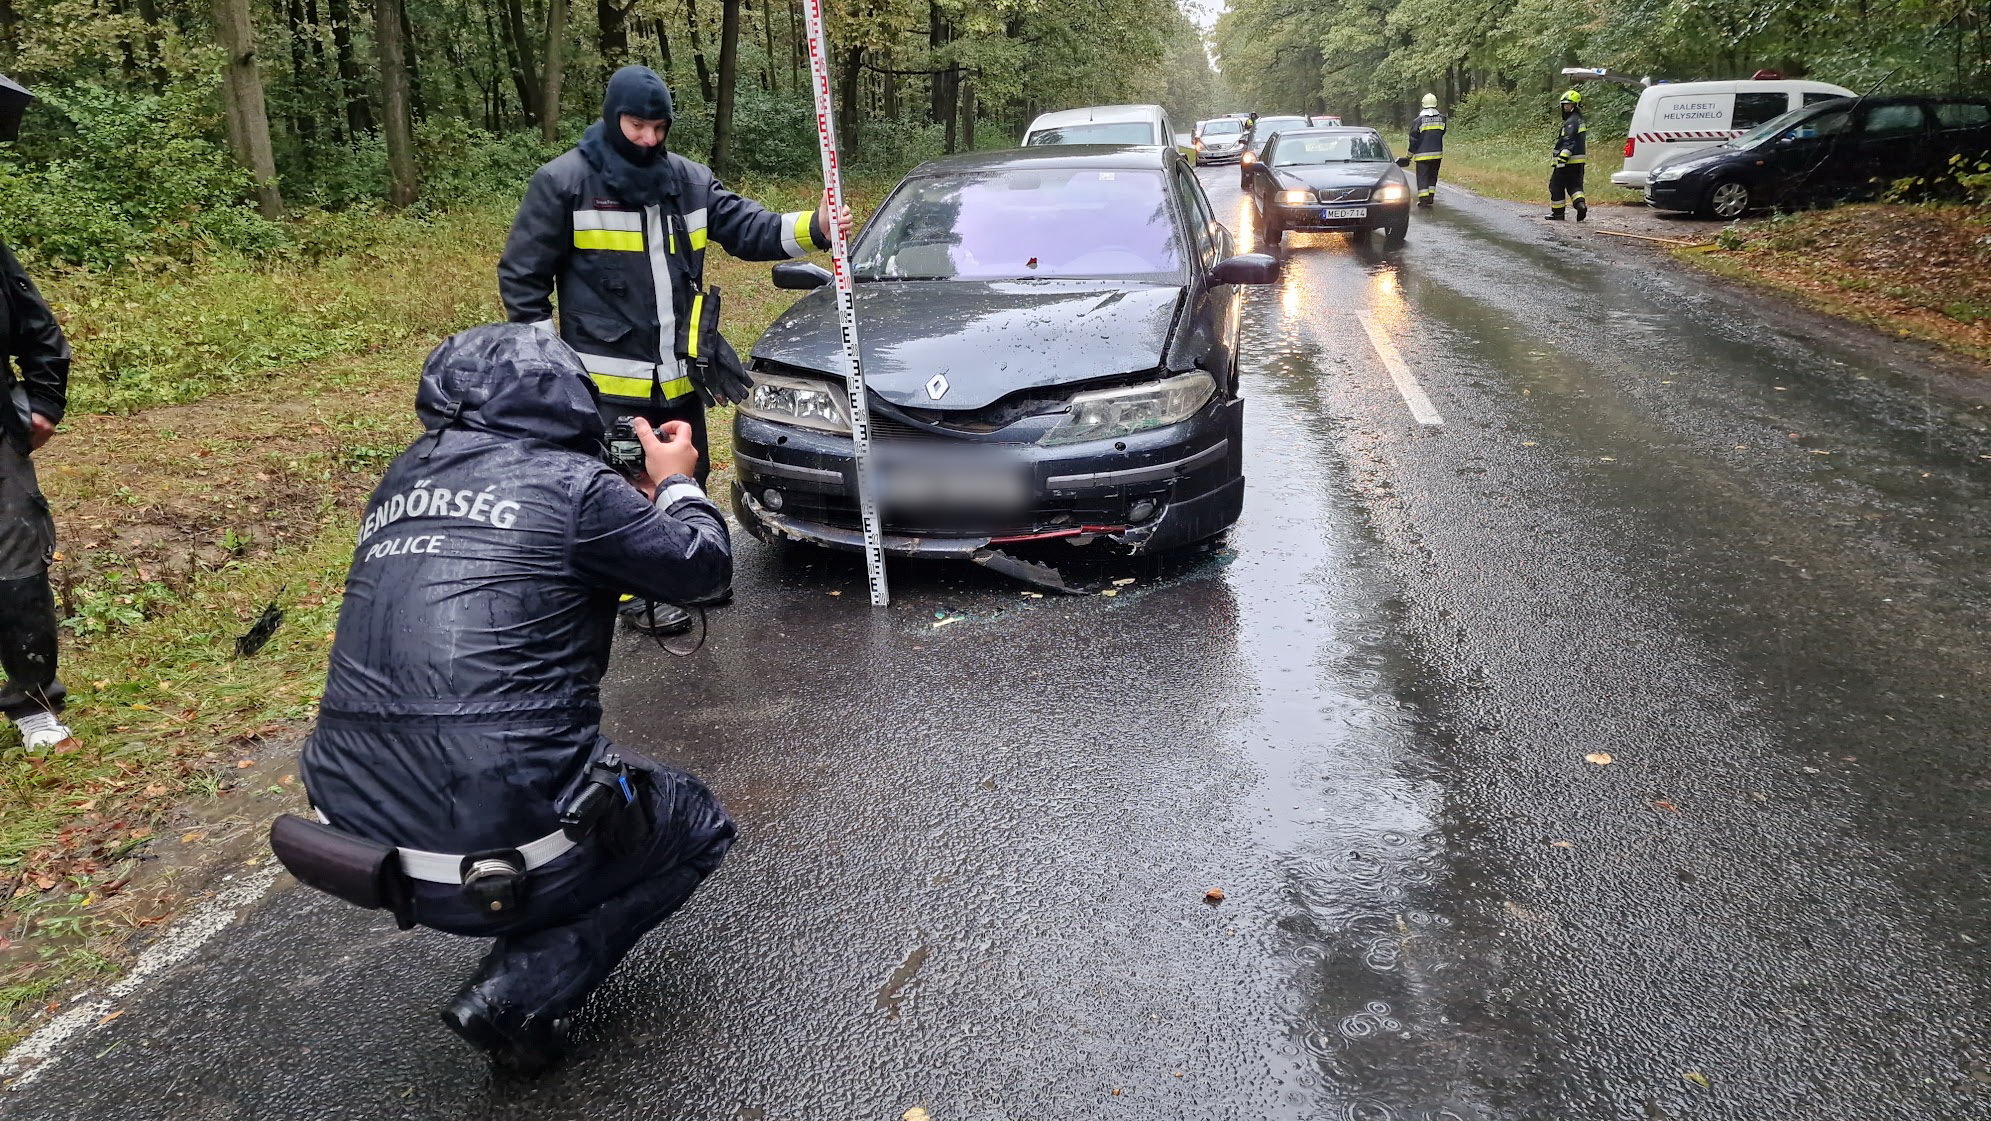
1430 101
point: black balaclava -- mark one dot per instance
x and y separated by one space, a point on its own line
630 169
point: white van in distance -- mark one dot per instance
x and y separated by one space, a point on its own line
1682 116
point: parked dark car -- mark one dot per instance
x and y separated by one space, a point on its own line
1845 148
1050 341
1329 179
1258 134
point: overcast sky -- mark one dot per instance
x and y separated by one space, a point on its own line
1203 12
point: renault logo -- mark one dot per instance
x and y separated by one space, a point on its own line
936 386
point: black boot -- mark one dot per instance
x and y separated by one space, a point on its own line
528 1046
1554 215
1582 210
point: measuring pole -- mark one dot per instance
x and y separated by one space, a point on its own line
846 307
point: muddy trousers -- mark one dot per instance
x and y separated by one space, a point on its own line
1565 181
1427 179
28 624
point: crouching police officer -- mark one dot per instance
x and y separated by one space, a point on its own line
619 227
458 771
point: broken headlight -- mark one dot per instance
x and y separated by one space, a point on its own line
799 401
1106 413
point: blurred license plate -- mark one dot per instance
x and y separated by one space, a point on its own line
951 484
1332 213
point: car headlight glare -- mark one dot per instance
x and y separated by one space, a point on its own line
804 402
1248 157
1392 193
1296 197
1104 414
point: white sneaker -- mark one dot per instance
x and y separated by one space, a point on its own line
41 732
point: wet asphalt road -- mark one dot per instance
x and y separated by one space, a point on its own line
1741 555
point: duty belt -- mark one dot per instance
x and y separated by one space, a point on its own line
448 868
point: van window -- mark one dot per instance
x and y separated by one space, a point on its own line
1892 120
1963 114
1814 97
1752 109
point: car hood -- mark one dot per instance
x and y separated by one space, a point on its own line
987 338
1321 175
1720 153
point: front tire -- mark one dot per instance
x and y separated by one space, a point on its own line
1728 200
1396 232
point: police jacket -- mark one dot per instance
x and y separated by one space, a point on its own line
1570 142
36 347
1427 135
631 279
462 700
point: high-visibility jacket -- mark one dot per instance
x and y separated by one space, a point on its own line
1427 135
1570 143
631 280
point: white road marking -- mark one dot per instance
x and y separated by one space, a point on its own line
34 1056
1406 382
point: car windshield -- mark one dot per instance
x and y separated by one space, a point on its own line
1024 224
1222 128
1116 132
1296 151
1770 128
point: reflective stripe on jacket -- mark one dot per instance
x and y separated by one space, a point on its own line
631 280
1570 143
1427 135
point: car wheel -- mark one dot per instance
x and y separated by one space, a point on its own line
1397 231
1728 200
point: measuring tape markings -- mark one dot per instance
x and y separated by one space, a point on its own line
846 306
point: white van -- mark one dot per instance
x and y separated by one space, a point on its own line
1107 124
1682 116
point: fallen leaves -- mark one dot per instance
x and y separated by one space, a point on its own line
1601 758
1665 806
1697 1078
1214 896
916 1113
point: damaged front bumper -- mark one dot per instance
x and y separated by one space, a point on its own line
1145 493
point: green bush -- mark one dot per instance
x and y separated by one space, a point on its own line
129 176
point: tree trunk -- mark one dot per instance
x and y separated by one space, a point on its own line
415 105
248 115
968 113
936 38
767 71
402 189
796 49
303 123
556 63
729 72
337 120
612 38
359 115
698 51
950 103
148 10
664 47
846 114
525 68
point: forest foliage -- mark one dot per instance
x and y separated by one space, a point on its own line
169 130
1493 62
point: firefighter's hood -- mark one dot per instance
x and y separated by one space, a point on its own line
513 380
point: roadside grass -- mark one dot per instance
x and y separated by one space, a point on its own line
1919 271
1517 167
198 478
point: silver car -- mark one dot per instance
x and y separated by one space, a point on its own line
1220 140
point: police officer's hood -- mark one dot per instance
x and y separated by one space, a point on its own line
510 380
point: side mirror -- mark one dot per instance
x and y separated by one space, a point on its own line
1246 268
1403 161
801 275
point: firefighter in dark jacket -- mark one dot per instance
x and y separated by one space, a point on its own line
461 715
618 228
1570 154
1427 148
34 382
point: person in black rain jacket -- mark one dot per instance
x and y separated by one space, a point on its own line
462 709
1427 148
32 402
618 227
1569 155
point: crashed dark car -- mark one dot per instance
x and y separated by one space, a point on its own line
1050 344
1329 179
1843 149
